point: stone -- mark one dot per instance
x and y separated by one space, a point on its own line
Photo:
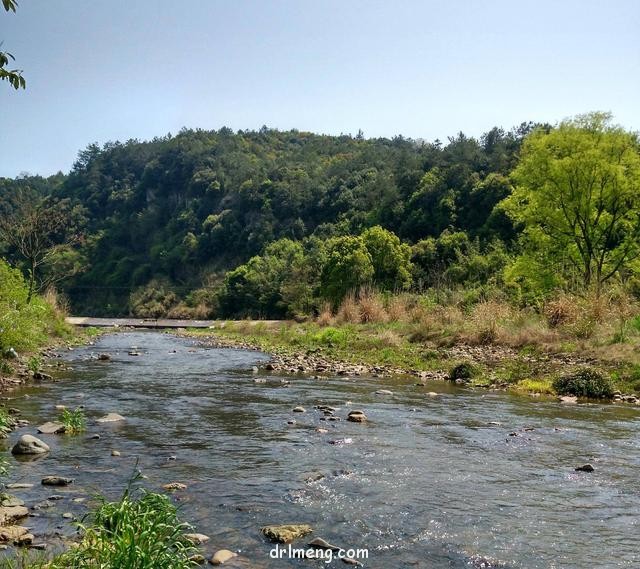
222 556
56 481
585 468
357 417
10 514
314 477
104 357
299 409
19 486
384 392
269 367
568 399
115 453
110 418
38 546
321 430
28 444
11 534
197 538
52 428
341 442
432 394
197 558
67 516
351 561
56 497
60 407
174 486
9 501
319 543
286 533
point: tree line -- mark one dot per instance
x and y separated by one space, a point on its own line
275 224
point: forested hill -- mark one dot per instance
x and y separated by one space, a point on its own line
180 211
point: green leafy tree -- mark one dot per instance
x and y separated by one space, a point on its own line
578 195
390 257
13 76
348 267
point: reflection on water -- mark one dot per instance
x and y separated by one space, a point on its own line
428 482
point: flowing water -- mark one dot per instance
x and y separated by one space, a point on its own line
427 482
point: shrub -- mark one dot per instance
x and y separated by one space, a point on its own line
586 382
371 307
561 310
143 533
464 371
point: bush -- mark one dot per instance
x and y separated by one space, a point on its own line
585 382
463 372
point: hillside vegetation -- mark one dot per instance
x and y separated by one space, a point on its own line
290 224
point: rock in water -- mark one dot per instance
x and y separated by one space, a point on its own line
9 501
52 428
10 514
56 481
319 543
585 468
222 556
110 418
299 409
28 444
286 533
196 538
357 417
384 392
174 486
13 534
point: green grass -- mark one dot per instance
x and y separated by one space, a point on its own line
34 363
142 532
542 385
74 421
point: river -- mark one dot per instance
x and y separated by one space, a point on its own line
428 481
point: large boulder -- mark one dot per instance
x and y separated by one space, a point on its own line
28 444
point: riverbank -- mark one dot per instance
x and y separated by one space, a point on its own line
381 350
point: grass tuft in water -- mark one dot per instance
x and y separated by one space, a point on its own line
135 532
74 421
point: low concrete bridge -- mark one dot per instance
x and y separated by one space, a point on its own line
155 322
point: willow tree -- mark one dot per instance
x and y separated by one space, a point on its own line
577 193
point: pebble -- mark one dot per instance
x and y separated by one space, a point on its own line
299 409
174 486
585 468
115 453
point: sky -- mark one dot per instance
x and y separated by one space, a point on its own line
101 70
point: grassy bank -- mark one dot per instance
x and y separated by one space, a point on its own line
27 327
521 349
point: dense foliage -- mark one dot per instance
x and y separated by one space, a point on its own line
276 224
24 325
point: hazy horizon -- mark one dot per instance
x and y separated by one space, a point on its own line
100 72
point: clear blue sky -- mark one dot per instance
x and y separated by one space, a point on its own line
118 69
